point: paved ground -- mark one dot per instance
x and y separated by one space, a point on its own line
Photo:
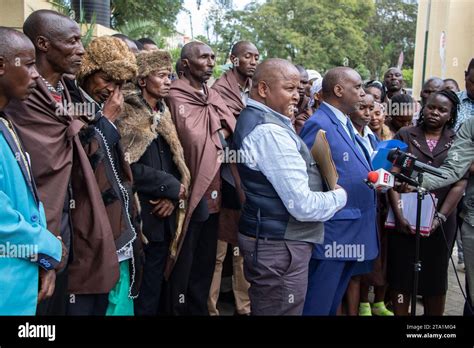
454 297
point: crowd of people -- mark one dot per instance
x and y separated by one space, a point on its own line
126 179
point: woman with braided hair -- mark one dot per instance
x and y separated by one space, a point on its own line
429 141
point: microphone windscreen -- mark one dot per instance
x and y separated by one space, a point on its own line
373 177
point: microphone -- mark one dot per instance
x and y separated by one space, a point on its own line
409 164
380 180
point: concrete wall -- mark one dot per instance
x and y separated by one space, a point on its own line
456 19
99 30
14 12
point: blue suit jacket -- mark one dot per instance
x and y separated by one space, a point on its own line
355 225
22 230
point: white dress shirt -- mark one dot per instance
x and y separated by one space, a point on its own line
343 119
365 140
340 116
275 153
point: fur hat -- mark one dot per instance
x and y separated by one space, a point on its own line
110 55
149 61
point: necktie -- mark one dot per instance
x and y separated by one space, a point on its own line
351 131
353 137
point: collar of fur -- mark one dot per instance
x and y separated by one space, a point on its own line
139 126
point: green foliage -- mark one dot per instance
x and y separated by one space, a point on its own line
138 28
218 71
391 31
363 71
202 38
408 77
88 36
64 7
162 12
175 54
363 34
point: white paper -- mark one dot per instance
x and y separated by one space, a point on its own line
409 203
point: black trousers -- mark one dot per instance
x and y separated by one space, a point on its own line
148 300
56 304
93 304
187 290
468 303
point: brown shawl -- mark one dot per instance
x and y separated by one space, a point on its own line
301 119
198 118
50 136
228 88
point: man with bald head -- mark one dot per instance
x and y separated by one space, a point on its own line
234 88
285 206
63 174
203 122
22 221
350 239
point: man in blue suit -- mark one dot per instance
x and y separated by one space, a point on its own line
350 239
27 248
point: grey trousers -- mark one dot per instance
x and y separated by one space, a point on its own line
467 235
279 278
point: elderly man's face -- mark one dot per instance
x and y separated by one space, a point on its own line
158 83
200 65
100 86
393 80
65 51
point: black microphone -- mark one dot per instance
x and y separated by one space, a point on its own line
409 164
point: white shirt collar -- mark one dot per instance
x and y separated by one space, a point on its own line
367 131
339 114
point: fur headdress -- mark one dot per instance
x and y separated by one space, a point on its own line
110 55
149 61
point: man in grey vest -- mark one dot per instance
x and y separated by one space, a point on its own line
284 209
